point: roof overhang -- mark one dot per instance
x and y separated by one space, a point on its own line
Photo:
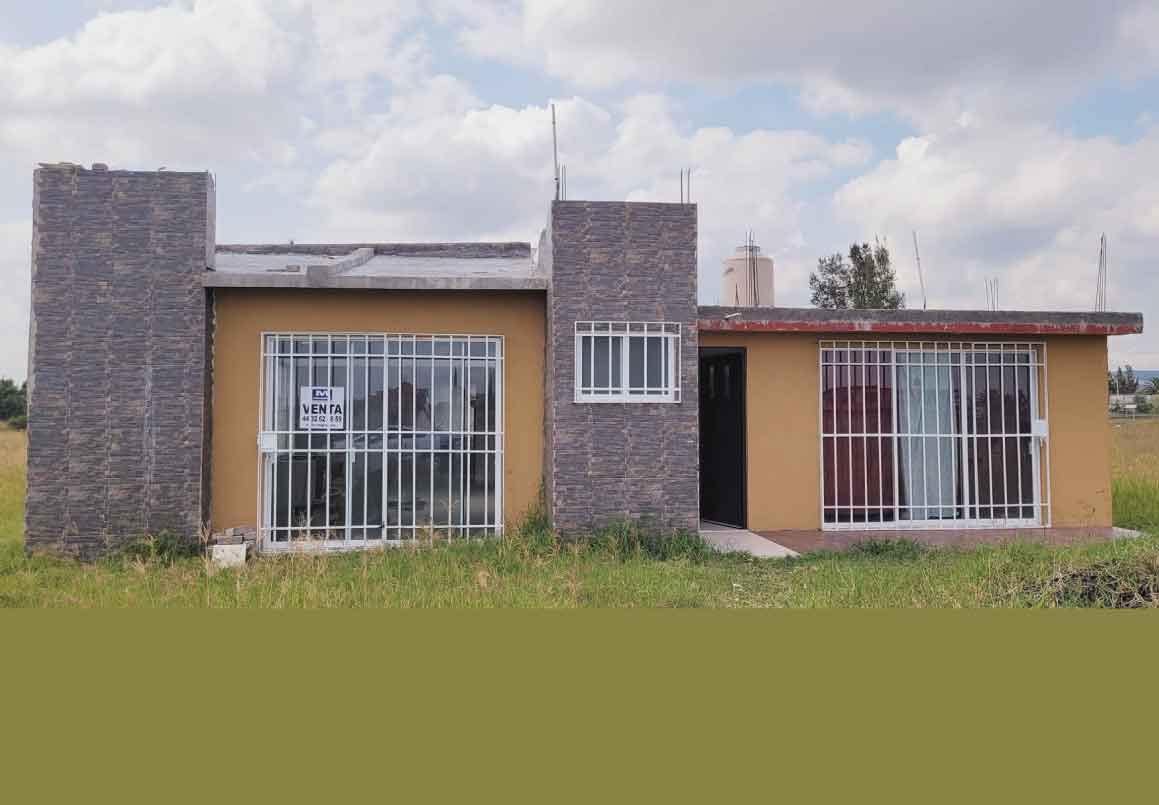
932 322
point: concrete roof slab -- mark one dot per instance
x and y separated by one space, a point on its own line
948 322
383 266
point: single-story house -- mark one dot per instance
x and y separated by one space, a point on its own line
351 395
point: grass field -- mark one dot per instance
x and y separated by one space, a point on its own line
625 569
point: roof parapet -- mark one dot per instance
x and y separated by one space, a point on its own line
461 249
947 322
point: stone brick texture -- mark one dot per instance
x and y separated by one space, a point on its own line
621 261
117 432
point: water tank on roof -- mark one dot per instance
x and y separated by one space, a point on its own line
748 278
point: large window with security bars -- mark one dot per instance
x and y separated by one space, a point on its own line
376 438
937 434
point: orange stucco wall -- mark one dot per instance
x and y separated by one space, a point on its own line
1080 431
242 315
782 427
784 466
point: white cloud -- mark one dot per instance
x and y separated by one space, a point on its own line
200 81
485 171
929 60
15 249
1023 204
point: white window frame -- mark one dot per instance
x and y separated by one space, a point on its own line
1023 354
400 530
625 332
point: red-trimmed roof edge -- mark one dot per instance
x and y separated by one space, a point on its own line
963 322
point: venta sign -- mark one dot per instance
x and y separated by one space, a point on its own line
321 408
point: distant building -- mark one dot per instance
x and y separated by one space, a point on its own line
747 280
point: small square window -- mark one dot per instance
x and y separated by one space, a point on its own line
627 361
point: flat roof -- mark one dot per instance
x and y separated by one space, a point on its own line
370 266
959 322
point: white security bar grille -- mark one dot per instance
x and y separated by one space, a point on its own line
627 361
373 438
933 435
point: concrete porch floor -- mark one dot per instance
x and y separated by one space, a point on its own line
729 539
805 541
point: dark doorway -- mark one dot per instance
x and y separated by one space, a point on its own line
722 435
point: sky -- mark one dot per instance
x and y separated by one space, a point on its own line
1009 135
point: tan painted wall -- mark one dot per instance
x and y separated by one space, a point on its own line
784 471
1080 430
782 418
242 315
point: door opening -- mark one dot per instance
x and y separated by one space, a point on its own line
722 436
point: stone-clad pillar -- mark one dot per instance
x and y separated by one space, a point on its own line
118 357
613 261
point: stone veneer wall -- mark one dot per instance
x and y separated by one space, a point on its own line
618 261
117 356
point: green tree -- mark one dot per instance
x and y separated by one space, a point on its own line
866 281
1123 381
830 284
1151 387
12 399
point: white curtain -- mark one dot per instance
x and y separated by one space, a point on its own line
926 460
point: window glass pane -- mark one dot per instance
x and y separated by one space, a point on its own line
586 362
458 394
441 394
284 404
617 362
358 370
657 359
1022 377
636 363
422 489
423 368
490 513
477 415
299 491
281 501
374 398
603 369
492 397
441 490
357 490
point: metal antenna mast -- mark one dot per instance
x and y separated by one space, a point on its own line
750 246
992 293
921 278
555 151
1101 282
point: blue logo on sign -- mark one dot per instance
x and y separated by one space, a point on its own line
321 394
